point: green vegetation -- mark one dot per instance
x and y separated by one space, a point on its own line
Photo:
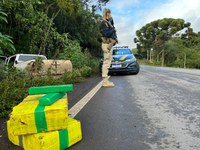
169 42
6 44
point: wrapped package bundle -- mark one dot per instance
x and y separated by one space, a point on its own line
29 117
54 140
50 89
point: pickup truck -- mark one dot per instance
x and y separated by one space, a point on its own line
26 61
20 61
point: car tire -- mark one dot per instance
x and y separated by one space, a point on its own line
138 69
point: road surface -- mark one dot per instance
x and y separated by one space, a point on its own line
158 109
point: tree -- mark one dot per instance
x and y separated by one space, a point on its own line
176 52
6 44
191 41
82 26
157 33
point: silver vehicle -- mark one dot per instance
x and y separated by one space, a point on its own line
20 61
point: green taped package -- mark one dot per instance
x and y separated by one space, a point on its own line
50 89
55 140
50 98
29 117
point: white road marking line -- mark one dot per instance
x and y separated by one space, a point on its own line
79 106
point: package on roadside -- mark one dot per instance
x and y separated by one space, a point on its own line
54 140
50 89
49 99
29 117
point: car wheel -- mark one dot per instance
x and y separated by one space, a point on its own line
138 69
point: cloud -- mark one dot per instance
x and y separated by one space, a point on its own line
125 30
188 10
121 5
127 23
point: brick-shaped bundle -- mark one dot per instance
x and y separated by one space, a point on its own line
41 120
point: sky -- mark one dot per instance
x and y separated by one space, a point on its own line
130 15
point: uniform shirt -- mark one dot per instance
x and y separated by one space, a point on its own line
107 30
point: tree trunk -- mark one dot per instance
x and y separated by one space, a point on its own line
44 42
185 60
163 57
150 56
147 55
157 58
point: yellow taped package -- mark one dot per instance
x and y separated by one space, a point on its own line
54 140
29 117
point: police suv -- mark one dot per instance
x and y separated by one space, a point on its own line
123 61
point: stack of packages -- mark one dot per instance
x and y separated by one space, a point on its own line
41 122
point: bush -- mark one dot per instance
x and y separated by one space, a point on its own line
80 59
73 52
11 93
91 62
86 71
3 73
73 77
10 73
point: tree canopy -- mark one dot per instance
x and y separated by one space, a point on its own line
154 35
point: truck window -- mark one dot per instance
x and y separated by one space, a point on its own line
28 57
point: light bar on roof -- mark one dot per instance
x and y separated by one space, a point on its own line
117 47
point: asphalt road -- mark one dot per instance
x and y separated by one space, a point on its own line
158 109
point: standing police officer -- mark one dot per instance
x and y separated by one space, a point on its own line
109 39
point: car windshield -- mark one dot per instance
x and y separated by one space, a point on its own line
122 52
29 57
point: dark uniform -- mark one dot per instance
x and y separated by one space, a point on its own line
108 30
